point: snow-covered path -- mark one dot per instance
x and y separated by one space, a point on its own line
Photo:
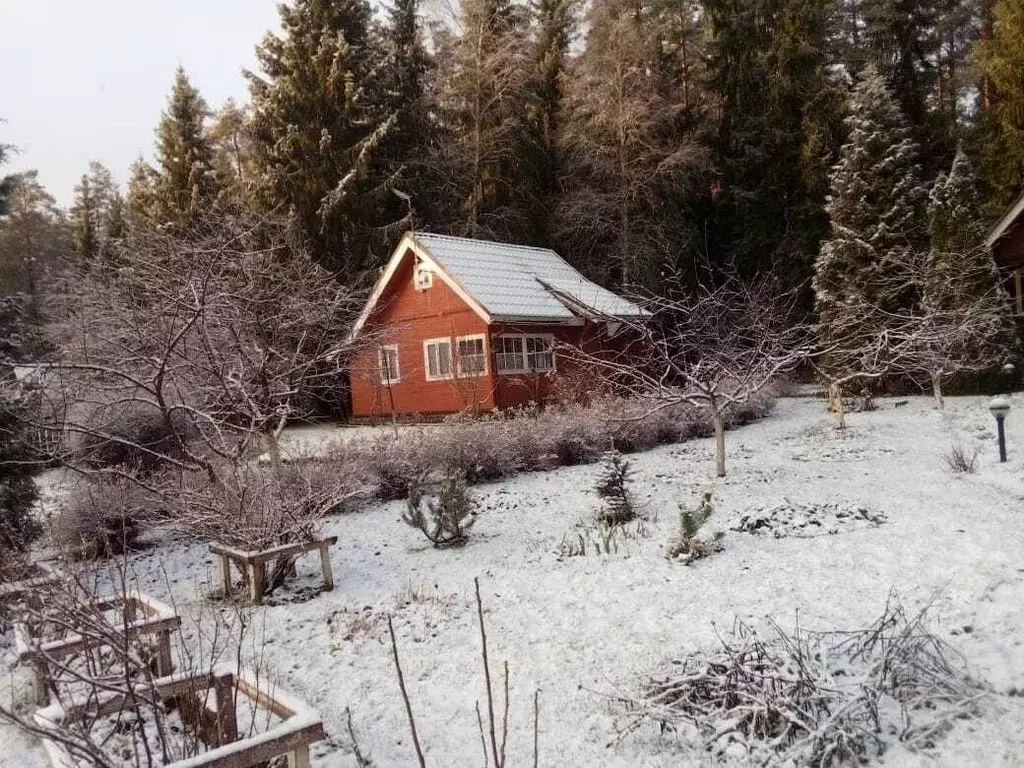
573 627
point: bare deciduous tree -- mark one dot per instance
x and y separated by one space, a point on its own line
714 348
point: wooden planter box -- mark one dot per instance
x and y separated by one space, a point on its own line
208 704
253 564
137 618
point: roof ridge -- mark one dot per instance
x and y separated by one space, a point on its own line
419 233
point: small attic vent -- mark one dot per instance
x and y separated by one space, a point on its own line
424 277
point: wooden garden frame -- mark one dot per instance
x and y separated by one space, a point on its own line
253 564
143 616
214 722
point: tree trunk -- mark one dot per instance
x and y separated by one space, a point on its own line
937 391
835 406
274 449
719 422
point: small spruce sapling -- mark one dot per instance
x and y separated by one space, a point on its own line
687 546
613 488
446 519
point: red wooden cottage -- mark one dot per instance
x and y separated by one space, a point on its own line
463 324
1006 241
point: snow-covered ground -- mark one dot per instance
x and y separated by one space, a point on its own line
576 628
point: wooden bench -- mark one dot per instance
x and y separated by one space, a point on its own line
253 565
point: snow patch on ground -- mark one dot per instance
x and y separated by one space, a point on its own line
580 628
806 520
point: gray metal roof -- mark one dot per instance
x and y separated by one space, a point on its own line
514 282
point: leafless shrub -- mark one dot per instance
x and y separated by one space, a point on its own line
960 460
813 698
103 517
131 435
395 462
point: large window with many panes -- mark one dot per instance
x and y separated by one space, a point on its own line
524 354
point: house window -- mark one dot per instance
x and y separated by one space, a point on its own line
472 360
522 354
388 362
424 277
438 356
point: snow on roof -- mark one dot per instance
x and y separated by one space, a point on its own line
1005 221
515 282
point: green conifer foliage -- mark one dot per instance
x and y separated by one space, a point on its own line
186 185
319 119
871 257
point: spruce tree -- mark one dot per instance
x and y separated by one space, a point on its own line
779 119
186 186
141 204
89 213
870 264
318 122
961 283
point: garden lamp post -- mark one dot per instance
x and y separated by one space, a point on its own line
1000 406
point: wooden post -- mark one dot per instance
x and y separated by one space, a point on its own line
325 564
225 574
227 723
164 665
39 689
257 577
299 758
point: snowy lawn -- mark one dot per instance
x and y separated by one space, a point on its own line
579 627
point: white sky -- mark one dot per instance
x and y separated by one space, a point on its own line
85 80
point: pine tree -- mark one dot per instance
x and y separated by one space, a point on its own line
485 146
613 489
186 186
870 263
1001 57
232 150
319 119
627 165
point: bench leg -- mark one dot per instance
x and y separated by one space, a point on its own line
164 666
325 564
299 758
225 575
257 577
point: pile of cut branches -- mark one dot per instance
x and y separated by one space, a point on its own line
811 697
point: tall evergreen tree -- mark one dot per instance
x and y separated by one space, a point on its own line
628 167
413 137
232 150
555 22
89 212
187 184
1001 59
871 259
319 120
777 131
6 182
141 204
486 145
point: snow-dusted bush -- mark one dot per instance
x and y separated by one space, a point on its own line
811 698
131 435
613 489
687 546
102 518
395 462
444 516
961 460
482 450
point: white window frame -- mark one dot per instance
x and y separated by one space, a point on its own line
383 369
548 337
427 344
422 277
483 353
